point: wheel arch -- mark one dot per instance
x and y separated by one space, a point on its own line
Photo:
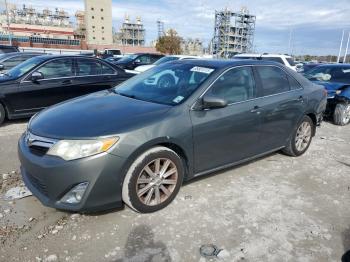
167 142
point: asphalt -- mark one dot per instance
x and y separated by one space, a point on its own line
276 208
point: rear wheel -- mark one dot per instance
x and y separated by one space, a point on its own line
2 114
341 114
301 138
153 180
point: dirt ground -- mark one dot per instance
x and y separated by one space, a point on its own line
277 208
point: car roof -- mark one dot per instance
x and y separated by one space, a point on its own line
221 63
262 55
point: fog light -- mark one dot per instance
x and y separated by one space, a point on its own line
75 195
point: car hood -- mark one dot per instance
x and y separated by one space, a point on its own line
331 85
103 113
6 78
144 68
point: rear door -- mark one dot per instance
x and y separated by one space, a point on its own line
58 80
282 105
225 135
94 75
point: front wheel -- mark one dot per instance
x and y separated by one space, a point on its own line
301 138
153 180
2 114
341 114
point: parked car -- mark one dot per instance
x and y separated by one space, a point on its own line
132 61
137 143
336 79
112 59
164 59
8 49
307 67
282 59
10 60
46 80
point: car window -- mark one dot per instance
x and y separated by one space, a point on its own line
107 70
57 68
291 61
86 67
145 59
273 80
274 59
330 74
294 84
13 61
236 85
154 58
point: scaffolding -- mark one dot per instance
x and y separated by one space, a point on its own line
160 25
132 33
28 15
233 33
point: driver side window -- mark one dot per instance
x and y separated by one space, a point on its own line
144 59
57 68
236 85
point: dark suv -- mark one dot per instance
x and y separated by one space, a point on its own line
8 49
135 60
46 80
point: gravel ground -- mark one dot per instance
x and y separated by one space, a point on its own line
277 208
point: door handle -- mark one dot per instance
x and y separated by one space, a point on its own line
67 82
256 109
300 99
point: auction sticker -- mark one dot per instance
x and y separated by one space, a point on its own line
178 99
200 69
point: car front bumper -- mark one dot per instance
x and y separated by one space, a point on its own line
50 178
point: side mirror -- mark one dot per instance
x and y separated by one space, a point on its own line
211 102
36 76
2 67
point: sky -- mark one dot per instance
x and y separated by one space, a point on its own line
315 26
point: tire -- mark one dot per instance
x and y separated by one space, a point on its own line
166 81
341 115
301 138
2 114
137 180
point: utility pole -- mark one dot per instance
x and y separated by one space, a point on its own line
290 41
341 46
8 23
346 50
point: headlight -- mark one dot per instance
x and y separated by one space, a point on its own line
338 92
75 149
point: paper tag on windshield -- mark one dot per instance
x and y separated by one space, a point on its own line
200 69
178 99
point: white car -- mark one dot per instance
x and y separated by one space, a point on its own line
164 59
282 59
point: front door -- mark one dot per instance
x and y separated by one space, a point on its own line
226 135
52 89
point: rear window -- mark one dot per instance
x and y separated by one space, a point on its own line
9 49
290 61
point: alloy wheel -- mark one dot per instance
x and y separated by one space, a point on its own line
303 136
346 118
157 181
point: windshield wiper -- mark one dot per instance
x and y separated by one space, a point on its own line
126 95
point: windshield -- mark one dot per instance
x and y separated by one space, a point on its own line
330 74
169 84
128 58
25 67
166 59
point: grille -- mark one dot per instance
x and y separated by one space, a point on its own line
38 145
38 184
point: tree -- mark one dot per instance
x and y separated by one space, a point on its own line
170 43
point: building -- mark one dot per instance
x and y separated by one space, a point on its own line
27 22
98 22
80 28
192 47
131 33
233 32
